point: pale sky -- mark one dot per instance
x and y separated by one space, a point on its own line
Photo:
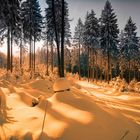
123 9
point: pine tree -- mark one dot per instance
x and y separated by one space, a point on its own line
91 35
129 44
32 26
122 61
10 18
109 34
54 16
78 39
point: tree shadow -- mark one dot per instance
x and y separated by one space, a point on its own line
109 121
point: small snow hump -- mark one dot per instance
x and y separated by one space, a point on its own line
61 85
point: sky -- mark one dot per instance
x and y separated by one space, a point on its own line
123 9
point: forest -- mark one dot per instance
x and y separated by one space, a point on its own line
65 85
98 50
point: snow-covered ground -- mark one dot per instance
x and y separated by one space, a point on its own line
86 112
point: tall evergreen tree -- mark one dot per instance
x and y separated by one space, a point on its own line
32 26
122 61
129 44
91 35
10 18
78 39
54 23
109 34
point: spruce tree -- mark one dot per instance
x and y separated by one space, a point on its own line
109 34
56 17
10 18
91 36
129 44
78 39
32 26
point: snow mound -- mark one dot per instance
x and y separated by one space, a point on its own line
40 85
61 84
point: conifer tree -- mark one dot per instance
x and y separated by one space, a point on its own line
129 44
109 34
9 20
32 26
54 23
78 39
91 35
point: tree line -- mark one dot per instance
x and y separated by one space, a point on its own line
109 51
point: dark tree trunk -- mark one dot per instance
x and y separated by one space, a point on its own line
52 54
34 54
11 63
96 67
8 49
20 56
56 38
21 50
47 72
30 53
62 41
88 64
79 62
129 72
108 64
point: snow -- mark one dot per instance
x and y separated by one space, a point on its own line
86 113
61 84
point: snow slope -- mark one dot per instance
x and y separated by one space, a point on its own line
88 112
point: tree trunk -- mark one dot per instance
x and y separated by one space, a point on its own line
11 64
108 64
88 64
52 56
134 70
47 71
8 49
21 56
30 53
62 40
96 68
32 56
79 62
101 70
129 73
56 37
34 53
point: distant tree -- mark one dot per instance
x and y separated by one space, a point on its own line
129 45
122 62
2 60
91 36
78 39
74 58
109 34
32 26
67 59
